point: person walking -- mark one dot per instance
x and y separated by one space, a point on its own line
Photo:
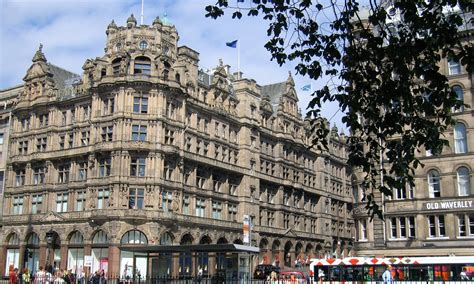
387 275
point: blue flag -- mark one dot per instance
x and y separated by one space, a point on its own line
232 44
306 87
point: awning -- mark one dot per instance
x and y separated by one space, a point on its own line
191 248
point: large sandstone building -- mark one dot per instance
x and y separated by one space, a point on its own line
146 148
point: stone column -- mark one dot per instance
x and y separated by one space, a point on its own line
63 264
43 251
21 262
114 261
3 259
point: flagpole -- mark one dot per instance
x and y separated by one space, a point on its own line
141 19
238 59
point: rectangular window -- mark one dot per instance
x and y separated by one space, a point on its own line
167 199
462 226
41 144
73 116
403 227
454 68
286 221
169 136
140 104
62 140
107 133
86 110
200 178
44 120
70 140
135 200
80 200
1 138
85 138
104 167
63 118
109 106
200 207
393 226
39 175
17 205
138 132
63 173
270 218
442 229
137 167
82 171
22 147
103 198
168 170
36 203
432 226
232 212
363 229
61 202
411 227
20 177
216 210
186 205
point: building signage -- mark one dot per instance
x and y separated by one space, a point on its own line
246 229
449 204
88 260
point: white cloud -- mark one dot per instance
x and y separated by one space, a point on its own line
72 31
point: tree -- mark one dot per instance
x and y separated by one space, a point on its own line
390 88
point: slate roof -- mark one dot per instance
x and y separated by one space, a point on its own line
274 92
62 78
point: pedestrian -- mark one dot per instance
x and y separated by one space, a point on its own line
26 276
463 274
40 276
13 275
387 275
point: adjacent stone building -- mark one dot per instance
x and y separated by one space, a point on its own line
146 148
436 216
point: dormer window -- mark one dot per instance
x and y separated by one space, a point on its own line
143 45
142 65
116 66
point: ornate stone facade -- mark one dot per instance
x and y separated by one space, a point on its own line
436 217
147 148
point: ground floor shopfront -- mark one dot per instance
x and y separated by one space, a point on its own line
123 255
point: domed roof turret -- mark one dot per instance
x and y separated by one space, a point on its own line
131 21
112 27
157 21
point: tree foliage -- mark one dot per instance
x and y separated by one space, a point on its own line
385 59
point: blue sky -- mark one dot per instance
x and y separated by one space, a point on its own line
73 30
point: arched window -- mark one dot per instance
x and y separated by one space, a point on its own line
142 65
116 66
33 240
100 238
99 250
460 140
134 237
13 240
460 96
76 239
13 252
464 181
166 239
434 187
32 251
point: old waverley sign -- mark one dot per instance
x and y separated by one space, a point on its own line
449 204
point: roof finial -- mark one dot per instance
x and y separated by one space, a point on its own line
39 56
